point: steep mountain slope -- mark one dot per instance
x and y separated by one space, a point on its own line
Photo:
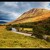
33 15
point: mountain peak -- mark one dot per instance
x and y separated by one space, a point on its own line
34 12
33 15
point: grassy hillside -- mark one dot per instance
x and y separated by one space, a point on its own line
39 20
10 39
32 15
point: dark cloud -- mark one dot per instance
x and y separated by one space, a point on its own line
1 3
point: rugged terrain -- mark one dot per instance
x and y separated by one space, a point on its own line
33 15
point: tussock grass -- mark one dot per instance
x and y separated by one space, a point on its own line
10 39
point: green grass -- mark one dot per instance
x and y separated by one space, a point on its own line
27 29
9 39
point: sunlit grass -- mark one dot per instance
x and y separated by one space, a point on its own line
9 39
29 29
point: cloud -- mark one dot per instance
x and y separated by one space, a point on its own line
11 3
15 9
22 6
15 15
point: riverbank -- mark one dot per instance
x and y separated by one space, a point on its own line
26 34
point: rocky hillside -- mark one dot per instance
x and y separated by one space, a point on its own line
33 15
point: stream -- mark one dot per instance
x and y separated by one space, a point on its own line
14 30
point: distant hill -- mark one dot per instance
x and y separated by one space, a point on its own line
2 22
33 15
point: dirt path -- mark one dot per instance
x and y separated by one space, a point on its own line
24 34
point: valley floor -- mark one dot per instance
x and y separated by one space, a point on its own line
9 39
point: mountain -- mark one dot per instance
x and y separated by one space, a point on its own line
2 22
33 15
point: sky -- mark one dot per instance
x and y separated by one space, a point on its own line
10 11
